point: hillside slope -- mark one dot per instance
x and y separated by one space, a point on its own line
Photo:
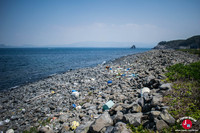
190 43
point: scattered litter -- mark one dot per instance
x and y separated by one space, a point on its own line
78 107
74 125
75 94
74 105
123 75
107 67
108 105
7 121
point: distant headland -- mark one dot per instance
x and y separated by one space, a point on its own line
190 43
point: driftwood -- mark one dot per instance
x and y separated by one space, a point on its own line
45 94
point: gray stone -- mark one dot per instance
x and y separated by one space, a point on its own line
160 124
118 108
136 108
118 117
147 97
63 118
109 129
84 128
120 127
103 121
145 89
154 114
134 118
140 101
65 127
10 131
167 117
166 86
150 80
156 100
46 129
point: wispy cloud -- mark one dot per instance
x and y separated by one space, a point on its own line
102 32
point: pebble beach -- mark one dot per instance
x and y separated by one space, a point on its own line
128 90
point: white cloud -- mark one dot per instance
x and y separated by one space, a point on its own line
98 32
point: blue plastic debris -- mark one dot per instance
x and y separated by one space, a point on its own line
74 105
73 90
123 75
109 81
110 68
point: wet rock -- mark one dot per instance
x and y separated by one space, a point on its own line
134 118
103 121
120 127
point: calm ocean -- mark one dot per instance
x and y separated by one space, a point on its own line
19 66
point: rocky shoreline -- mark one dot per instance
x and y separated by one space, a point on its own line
61 102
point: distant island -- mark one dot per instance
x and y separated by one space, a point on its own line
133 47
190 43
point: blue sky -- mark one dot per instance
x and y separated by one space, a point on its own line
76 22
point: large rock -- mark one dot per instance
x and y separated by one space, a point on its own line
103 121
166 86
150 80
10 131
145 89
63 118
109 129
120 127
160 124
167 117
156 100
154 114
134 119
46 129
136 108
147 97
118 117
140 101
84 128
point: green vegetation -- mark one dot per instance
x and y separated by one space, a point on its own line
184 72
191 51
139 129
184 99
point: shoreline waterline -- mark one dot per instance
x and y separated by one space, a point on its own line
50 66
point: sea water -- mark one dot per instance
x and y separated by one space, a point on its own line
19 66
